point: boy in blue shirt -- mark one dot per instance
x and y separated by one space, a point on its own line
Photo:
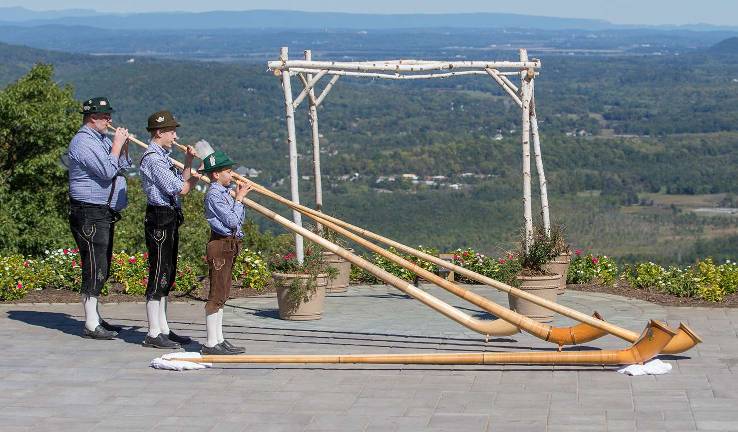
163 185
225 216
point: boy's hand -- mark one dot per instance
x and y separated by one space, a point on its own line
242 190
191 153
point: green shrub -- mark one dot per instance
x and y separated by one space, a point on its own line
503 270
186 278
251 270
59 269
728 277
15 277
131 272
708 281
645 275
592 269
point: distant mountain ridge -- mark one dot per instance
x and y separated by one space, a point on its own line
290 19
293 20
22 14
728 46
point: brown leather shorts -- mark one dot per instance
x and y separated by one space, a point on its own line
221 254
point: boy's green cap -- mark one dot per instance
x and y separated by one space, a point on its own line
216 161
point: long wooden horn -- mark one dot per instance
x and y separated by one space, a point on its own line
685 339
649 344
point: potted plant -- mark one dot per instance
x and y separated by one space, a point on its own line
300 286
534 278
342 267
562 259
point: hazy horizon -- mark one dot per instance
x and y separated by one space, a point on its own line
628 12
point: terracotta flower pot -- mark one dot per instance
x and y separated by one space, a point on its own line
289 308
542 286
340 283
560 266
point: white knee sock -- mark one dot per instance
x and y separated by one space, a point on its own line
163 324
152 312
211 323
220 326
92 319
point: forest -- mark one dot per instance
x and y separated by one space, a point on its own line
613 130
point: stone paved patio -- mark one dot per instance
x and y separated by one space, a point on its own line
52 379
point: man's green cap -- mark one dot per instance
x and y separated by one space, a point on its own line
96 105
161 120
216 161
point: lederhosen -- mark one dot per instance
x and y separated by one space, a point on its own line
92 227
221 254
161 228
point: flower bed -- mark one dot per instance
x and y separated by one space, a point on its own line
61 269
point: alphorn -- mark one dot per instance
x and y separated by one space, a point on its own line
653 339
685 338
649 344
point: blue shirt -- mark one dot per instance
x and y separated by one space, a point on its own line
161 180
92 168
224 214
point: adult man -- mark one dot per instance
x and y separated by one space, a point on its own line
97 194
163 185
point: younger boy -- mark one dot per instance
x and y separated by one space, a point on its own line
225 216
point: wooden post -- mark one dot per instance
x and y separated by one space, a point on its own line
316 141
525 98
539 161
292 142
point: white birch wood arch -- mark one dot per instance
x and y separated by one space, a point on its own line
310 72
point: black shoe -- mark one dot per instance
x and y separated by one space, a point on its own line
99 333
218 349
160 341
182 340
107 326
232 348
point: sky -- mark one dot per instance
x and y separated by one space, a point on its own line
651 12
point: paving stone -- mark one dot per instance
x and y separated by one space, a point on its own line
65 382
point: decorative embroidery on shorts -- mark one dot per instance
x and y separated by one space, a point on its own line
90 228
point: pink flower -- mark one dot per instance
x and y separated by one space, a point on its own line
578 252
66 251
595 260
174 284
146 255
509 256
502 261
466 254
74 263
289 256
456 257
75 250
19 286
132 260
25 263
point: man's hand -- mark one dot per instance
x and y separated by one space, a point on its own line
119 139
242 189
